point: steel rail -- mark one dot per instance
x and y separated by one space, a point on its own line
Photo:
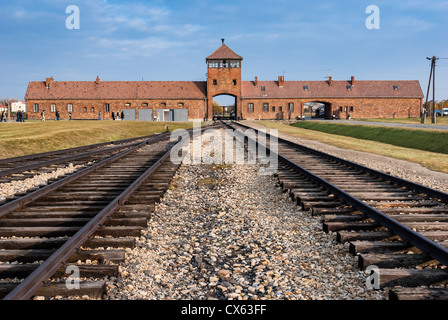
37 278
426 245
28 198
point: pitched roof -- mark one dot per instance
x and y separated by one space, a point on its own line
118 90
338 89
224 52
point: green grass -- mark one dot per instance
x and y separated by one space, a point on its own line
427 140
17 139
431 160
439 120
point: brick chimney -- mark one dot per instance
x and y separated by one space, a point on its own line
97 81
353 80
256 81
330 80
281 81
48 82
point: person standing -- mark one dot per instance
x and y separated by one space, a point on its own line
70 116
122 115
99 115
3 117
57 115
113 116
43 115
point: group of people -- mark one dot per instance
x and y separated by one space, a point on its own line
116 116
19 117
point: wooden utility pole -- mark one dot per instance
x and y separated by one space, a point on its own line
432 74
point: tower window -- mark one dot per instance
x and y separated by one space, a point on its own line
213 64
234 82
128 104
215 82
145 105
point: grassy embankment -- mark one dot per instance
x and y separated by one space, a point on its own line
426 147
439 120
18 139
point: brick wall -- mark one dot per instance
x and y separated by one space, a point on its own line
88 109
357 108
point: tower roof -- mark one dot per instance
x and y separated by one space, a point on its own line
224 52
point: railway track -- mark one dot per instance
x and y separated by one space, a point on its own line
23 167
65 238
397 226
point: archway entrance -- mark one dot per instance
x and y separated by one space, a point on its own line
317 109
224 107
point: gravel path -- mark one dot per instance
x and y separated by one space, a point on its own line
227 232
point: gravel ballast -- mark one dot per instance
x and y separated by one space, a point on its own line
228 232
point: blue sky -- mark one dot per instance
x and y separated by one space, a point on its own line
169 40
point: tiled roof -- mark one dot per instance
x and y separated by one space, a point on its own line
338 89
224 52
118 90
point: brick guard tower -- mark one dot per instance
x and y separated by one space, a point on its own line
224 77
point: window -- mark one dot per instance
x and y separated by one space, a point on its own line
349 88
273 109
224 64
263 88
93 109
128 104
213 64
70 107
265 107
234 82
291 107
341 108
395 87
36 107
145 105
234 64
52 107
280 109
163 104
215 82
180 104
85 109
351 109
106 107
250 107
305 88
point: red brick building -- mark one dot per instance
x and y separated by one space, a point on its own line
190 100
